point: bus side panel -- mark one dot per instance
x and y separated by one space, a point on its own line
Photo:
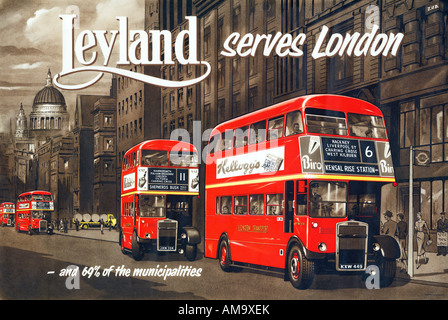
215 224
211 237
258 241
254 239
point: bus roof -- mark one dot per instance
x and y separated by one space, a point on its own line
35 192
320 101
163 144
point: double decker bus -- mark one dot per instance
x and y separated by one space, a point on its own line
160 178
34 212
7 213
296 188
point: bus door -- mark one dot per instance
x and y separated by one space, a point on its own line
289 207
127 217
135 213
363 203
179 207
300 211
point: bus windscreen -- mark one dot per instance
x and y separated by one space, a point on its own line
366 126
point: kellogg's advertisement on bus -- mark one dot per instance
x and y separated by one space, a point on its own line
240 153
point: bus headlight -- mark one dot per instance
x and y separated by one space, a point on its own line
148 236
376 247
314 225
183 235
322 246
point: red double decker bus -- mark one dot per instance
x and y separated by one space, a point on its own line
160 178
33 212
7 213
296 187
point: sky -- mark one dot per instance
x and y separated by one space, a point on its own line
31 43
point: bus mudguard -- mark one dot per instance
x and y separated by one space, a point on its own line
193 235
390 248
310 255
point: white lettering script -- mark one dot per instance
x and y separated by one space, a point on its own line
89 40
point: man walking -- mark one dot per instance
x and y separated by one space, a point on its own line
402 234
390 226
442 232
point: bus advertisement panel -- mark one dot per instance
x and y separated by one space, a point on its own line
296 187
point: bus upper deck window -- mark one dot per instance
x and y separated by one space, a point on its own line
155 158
257 132
275 128
226 140
366 126
294 123
240 138
213 144
326 121
183 159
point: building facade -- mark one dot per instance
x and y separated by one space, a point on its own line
179 105
83 170
54 172
104 156
413 92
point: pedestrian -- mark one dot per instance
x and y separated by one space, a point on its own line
61 225
402 234
102 226
442 233
390 226
77 224
65 225
421 228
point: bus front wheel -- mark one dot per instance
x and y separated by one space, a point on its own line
137 250
191 251
300 269
388 269
224 255
121 243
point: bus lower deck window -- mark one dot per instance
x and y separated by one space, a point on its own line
240 205
256 204
274 204
226 205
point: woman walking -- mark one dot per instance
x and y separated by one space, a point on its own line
421 228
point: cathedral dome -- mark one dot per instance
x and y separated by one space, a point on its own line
49 94
49 113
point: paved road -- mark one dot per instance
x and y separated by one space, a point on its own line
31 266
